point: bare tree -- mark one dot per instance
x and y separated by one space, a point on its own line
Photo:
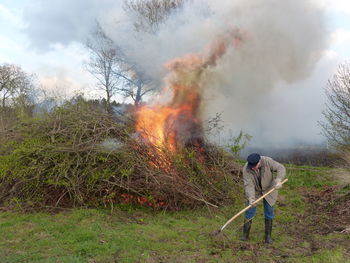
115 72
103 62
135 83
17 95
336 126
151 13
15 85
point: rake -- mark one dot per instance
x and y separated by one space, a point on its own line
245 209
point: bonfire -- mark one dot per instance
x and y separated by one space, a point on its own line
177 124
189 171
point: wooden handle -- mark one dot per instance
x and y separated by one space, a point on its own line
250 206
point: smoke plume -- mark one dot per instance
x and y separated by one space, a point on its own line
282 44
282 41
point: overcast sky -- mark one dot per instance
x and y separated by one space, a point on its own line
45 37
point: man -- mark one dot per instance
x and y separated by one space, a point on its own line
258 179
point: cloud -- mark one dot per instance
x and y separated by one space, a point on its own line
341 43
9 16
61 69
64 21
340 37
61 81
9 44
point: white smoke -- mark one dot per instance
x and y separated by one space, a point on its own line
283 41
110 145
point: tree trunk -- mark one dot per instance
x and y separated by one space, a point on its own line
108 106
138 94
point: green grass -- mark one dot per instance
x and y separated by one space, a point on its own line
308 176
325 256
140 235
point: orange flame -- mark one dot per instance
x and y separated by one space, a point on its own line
178 123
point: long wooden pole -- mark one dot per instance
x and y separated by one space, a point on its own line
250 206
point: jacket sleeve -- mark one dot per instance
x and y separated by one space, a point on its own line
277 167
249 186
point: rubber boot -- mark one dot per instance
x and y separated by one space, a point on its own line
246 229
268 230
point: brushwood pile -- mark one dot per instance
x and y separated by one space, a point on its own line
78 154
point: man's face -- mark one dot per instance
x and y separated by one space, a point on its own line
256 167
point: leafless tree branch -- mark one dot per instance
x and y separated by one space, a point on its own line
336 126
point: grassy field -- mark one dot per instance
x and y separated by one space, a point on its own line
128 234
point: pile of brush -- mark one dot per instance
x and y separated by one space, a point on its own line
79 155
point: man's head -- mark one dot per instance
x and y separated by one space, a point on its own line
253 161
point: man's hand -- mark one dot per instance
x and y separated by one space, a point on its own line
278 184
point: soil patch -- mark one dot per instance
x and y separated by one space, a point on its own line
329 211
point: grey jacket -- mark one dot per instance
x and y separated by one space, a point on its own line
251 183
